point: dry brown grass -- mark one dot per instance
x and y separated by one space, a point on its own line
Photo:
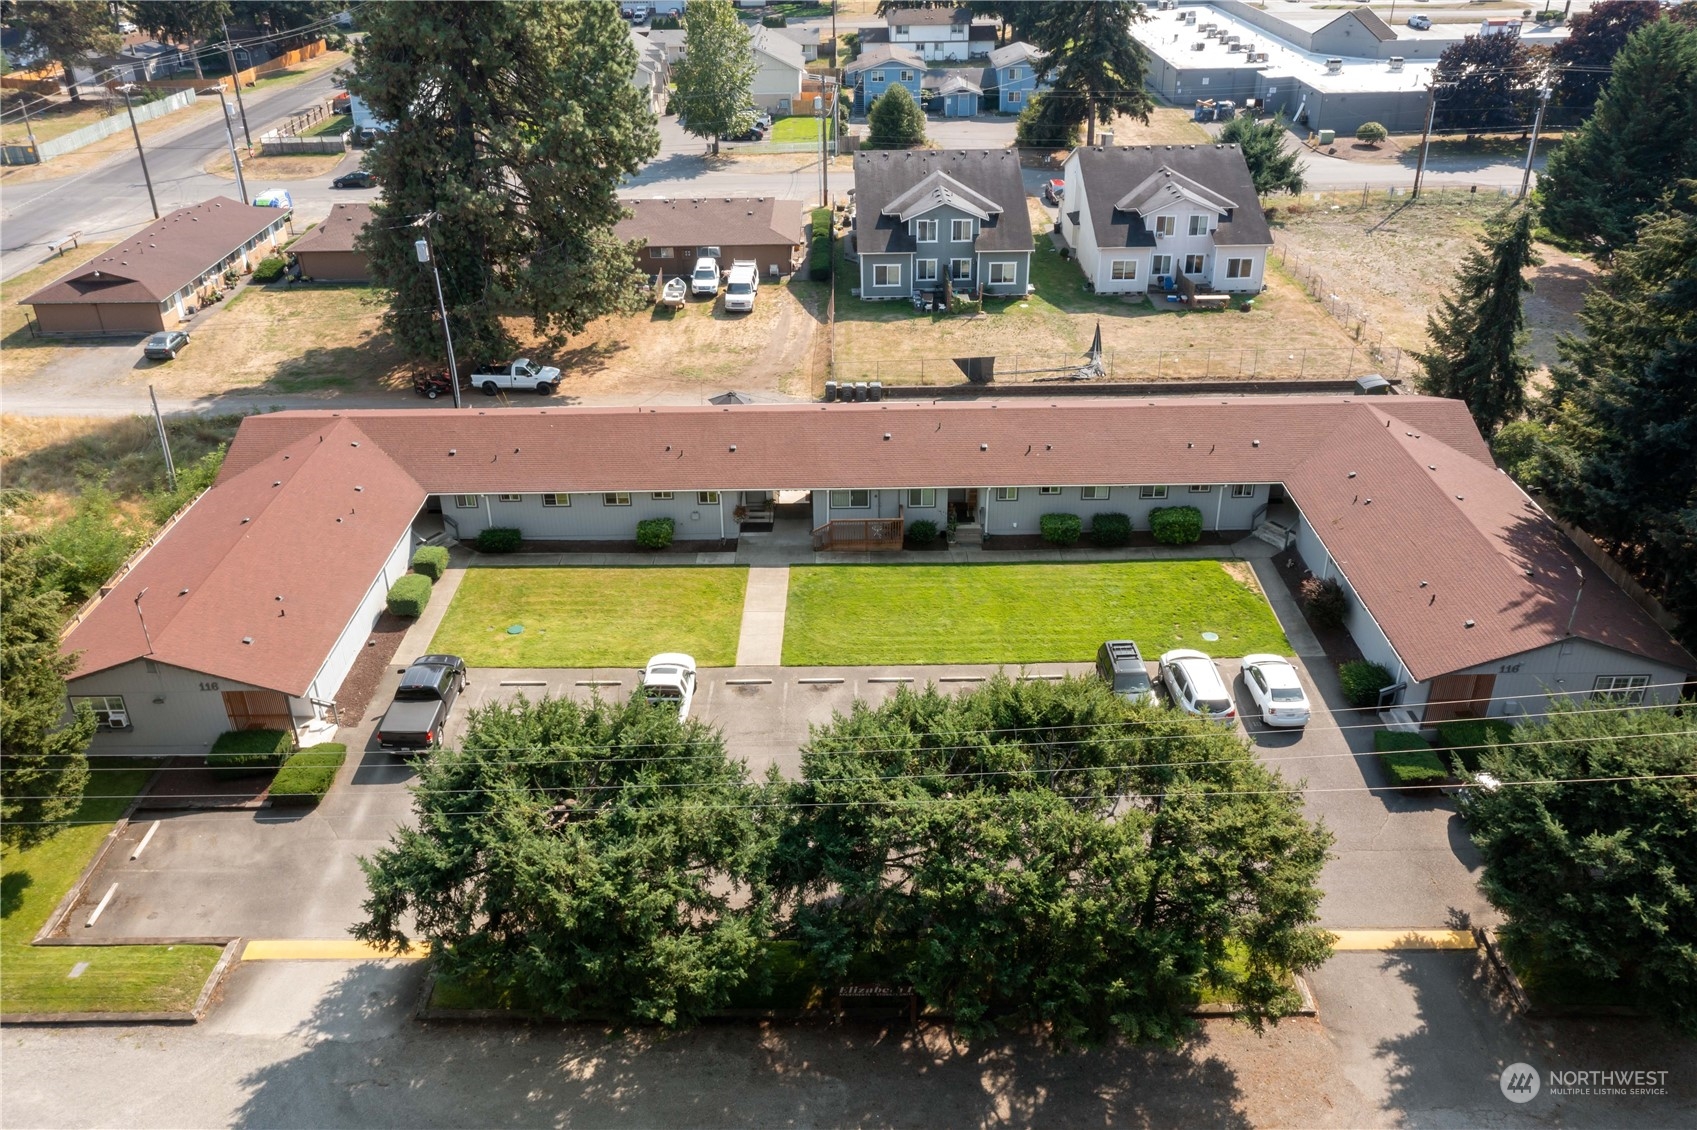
86 158
1167 125
287 166
22 355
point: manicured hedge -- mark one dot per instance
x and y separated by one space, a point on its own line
1407 760
1176 525
409 595
1110 530
1362 681
306 776
269 270
430 561
819 257
1060 529
655 533
922 532
499 539
239 752
1467 738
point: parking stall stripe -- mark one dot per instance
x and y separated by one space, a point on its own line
1385 940
327 949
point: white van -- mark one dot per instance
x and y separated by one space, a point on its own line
741 285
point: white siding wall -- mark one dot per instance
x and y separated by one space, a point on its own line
1182 243
1020 517
588 519
1258 268
1570 668
1362 628
352 640
1082 237
187 722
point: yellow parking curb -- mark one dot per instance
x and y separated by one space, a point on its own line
328 949
1351 940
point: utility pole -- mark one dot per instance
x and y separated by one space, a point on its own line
29 129
1532 149
136 130
230 132
235 80
422 248
164 442
1425 137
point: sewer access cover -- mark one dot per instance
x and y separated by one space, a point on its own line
516 630
1209 636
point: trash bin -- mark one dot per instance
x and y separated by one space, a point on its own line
830 390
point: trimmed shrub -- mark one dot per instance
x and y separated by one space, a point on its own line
655 533
819 257
1110 530
498 539
1371 132
1407 760
1176 525
1362 681
1467 739
431 561
237 753
1060 529
774 21
1324 603
409 595
269 270
922 532
306 776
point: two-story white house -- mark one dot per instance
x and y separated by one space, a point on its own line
780 69
1137 217
941 34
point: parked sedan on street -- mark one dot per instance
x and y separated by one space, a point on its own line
1277 692
165 346
1195 686
359 178
1420 23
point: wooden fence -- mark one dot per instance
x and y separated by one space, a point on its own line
859 533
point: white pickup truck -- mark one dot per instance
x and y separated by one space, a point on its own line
523 373
742 284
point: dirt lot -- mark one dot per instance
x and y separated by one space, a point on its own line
288 166
1389 260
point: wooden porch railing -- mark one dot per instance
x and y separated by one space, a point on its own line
859 533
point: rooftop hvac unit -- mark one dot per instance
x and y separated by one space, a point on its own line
1190 17
1334 66
1208 29
1199 45
1258 57
1396 62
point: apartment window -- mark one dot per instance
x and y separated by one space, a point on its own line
556 500
1629 688
707 498
1243 490
1239 268
960 230
886 274
1048 490
1161 265
1094 494
925 271
925 499
1152 492
1201 489
1123 270
1165 225
1199 225
1193 264
1007 494
661 495
925 231
876 76
907 76
616 498
108 709
512 498
660 252
466 501
850 499
1004 272
1015 96
960 270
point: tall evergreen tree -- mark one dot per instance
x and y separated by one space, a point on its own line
1582 60
1091 51
1051 120
183 23
1625 399
65 31
895 121
1272 166
42 764
716 75
1642 139
514 125
1479 333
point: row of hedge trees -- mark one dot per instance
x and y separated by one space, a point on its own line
1170 525
409 595
302 776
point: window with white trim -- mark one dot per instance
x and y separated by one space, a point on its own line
512 498
960 230
1243 490
925 231
707 498
1123 270
660 495
1007 494
1048 490
922 499
1004 272
850 499
1193 264
876 76
1166 225
1628 688
556 500
1015 97
886 274
1152 492
1201 488
907 76
960 270
616 498
1093 494
109 709
1239 268
1199 225
925 271
1161 264
467 501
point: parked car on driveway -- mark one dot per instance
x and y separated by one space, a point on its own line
429 688
669 680
1120 664
705 278
1195 686
1277 692
753 133
1053 190
165 346
359 178
1420 23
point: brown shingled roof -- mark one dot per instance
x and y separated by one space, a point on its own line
338 231
731 221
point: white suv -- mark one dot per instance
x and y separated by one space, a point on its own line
705 278
1195 685
669 680
742 284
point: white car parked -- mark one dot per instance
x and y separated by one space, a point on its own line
1277 692
1195 686
705 278
669 680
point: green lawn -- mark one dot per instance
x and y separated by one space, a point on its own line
798 128
861 615
116 978
594 617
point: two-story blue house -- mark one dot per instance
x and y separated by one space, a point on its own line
880 67
924 216
1013 71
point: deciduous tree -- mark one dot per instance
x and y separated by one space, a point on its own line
716 75
514 126
182 23
1479 335
1273 166
895 121
1091 51
65 31
1485 83
1583 58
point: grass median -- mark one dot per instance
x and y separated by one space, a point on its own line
110 978
859 615
593 617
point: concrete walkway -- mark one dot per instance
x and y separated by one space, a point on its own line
761 643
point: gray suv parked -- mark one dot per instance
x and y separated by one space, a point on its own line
1121 666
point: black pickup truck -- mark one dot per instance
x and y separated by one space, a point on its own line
428 689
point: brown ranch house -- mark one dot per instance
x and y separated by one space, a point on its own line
327 252
674 231
153 280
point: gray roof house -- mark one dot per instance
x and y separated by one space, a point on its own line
924 216
780 69
1137 217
